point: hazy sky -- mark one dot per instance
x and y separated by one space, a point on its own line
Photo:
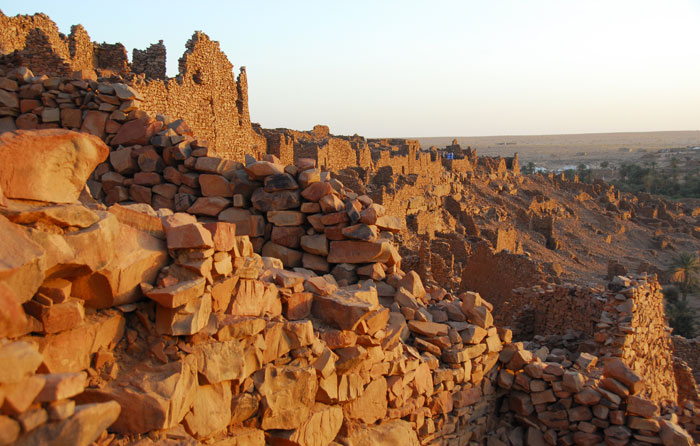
433 68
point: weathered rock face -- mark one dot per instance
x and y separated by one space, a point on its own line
22 261
157 398
60 163
288 395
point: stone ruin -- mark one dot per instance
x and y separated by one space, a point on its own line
158 289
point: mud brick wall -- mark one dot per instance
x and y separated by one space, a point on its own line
405 158
583 400
333 153
280 145
627 321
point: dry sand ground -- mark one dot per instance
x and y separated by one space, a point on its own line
556 152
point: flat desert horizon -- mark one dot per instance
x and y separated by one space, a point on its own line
575 141
561 151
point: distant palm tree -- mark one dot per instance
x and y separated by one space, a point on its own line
681 317
684 271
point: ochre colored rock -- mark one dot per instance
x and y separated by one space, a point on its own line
371 405
674 435
19 359
153 397
211 410
290 257
243 436
223 235
18 396
48 165
61 215
61 316
179 294
359 252
12 317
60 386
71 350
189 236
615 368
391 433
139 258
345 308
255 298
288 395
87 423
22 263
9 430
243 406
187 319
137 131
319 430
220 361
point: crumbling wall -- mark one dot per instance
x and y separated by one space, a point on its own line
633 327
627 321
208 97
336 154
552 309
497 274
112 58
626 389
150 62
37 44
206 93
81 48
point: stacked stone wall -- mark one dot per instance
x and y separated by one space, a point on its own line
688 350
633 327
206 93
209 98
552 310
625 391
150 62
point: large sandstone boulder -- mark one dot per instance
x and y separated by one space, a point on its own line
138 259
79 252
48 165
